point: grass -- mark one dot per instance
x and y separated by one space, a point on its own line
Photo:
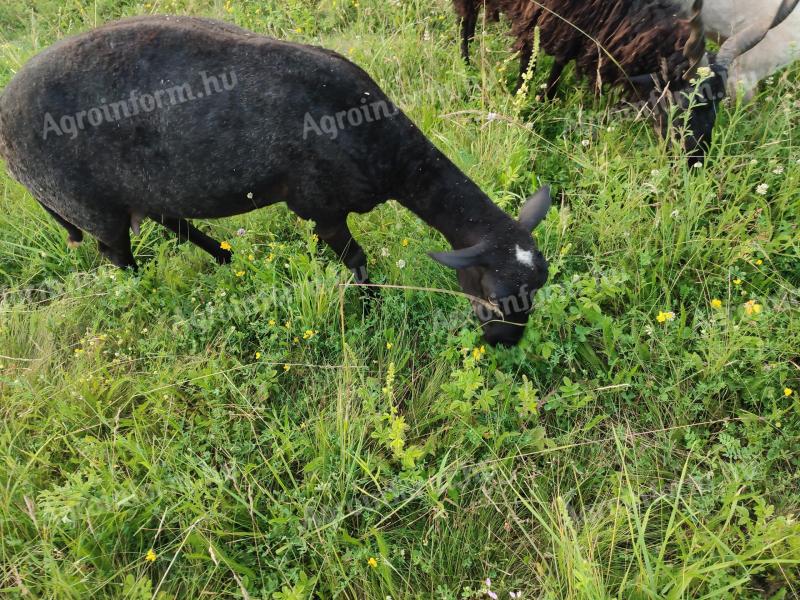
267 438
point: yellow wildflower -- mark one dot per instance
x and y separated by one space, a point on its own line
372 562
240 273
286 367
308 334
250 257
788 392
270 257
225 246
716 303
737 281
272 321
663 317
314 237
759 262
258 355
388 345
405 242
476 353
751 307
150 556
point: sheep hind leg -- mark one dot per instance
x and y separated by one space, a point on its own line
187 232
74 235
555 77
468 24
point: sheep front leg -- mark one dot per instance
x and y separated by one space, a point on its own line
341 241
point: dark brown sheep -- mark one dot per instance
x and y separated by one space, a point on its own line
645 47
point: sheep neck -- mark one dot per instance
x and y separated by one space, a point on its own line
446 199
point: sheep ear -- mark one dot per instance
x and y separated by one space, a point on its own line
461 259
535 209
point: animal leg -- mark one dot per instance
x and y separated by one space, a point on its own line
468 24
187 232
116 246
553 80
75 235
339 238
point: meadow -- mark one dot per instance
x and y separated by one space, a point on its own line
257 431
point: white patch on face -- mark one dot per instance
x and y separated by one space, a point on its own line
524 257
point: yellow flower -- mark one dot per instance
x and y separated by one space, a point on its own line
716 303
737 281
388 345
250 257
372 562
272 321
150 556
308 334
299 29
288 324
751 307
404 242
759 262
286 367
476 353
240 273
258 355
314 237
788 392
270 257
663 317
225 246
296 340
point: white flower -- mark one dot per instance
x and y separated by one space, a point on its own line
401 264
384 252
762 189
778 170
754 161
585 143
241 232
491 116
655 173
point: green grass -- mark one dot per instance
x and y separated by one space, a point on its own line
608 456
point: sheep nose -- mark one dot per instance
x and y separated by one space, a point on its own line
503 334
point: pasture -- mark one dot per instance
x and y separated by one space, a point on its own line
258 431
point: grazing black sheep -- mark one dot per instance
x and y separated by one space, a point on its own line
645 47
175 117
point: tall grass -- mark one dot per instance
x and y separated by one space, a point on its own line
267 437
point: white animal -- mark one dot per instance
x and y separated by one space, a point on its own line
781 46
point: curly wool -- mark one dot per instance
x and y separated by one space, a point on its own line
609 40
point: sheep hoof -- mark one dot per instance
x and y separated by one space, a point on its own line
73 244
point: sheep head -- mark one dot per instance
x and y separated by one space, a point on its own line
501 274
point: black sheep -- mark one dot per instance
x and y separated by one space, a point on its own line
175 117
